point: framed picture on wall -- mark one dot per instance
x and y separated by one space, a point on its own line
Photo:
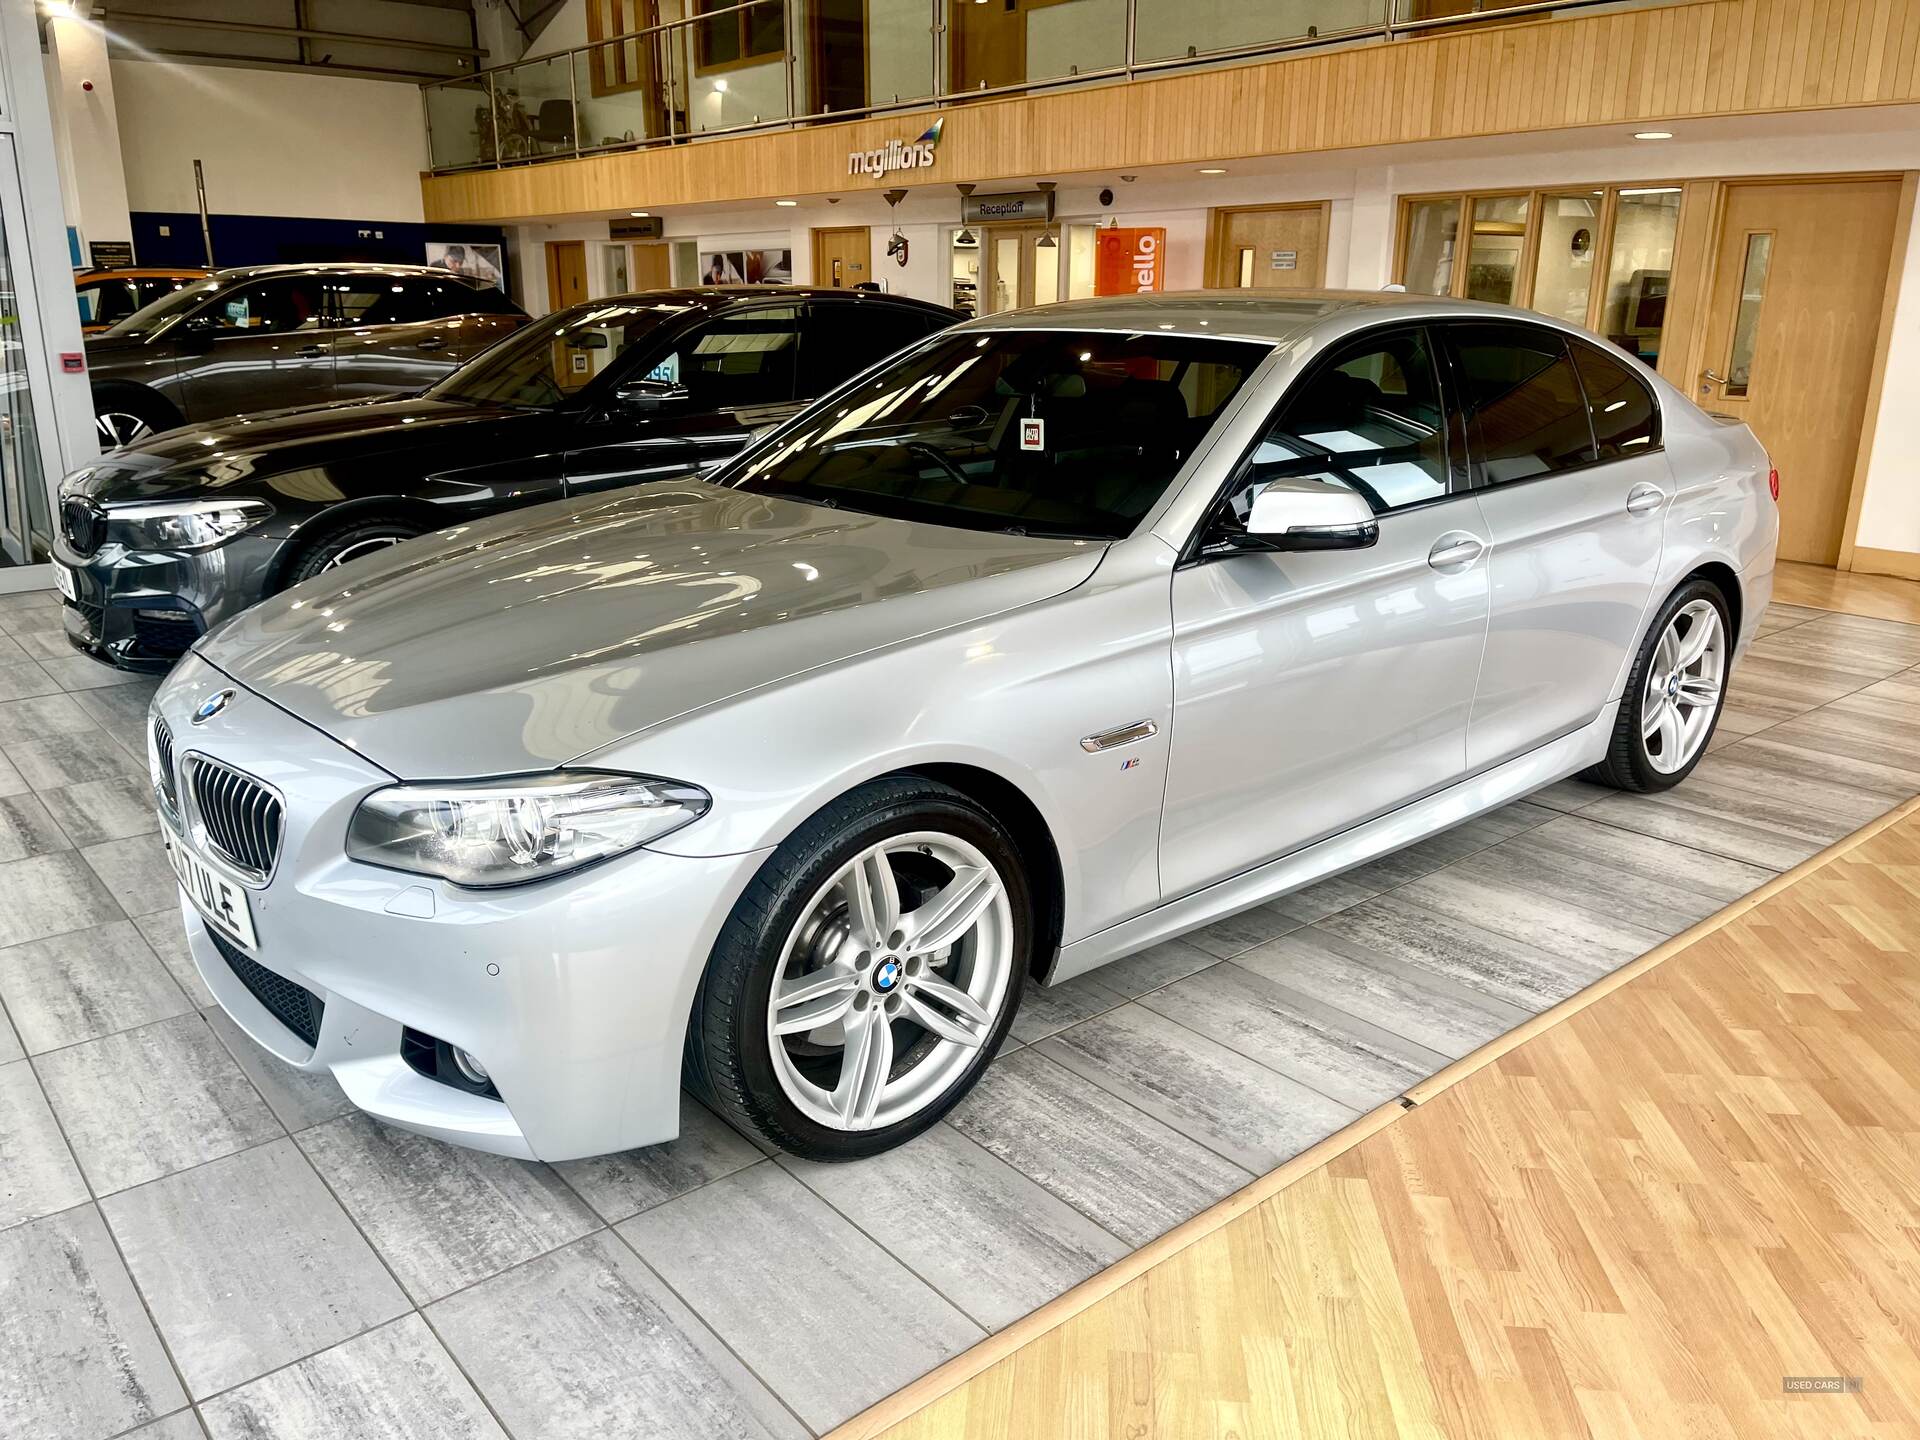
723 267
769 267
463 257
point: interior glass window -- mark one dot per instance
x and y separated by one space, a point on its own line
1433 232
543 364
1644 227
1625 419
1370 421
743 357
1529 413
1041 432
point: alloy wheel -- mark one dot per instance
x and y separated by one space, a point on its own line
1684 682
891 981
118 428
360 548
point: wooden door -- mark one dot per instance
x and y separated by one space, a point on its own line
1269 247
566 273
1799 284
843 258
652 267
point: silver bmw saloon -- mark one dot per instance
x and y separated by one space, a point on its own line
1054 636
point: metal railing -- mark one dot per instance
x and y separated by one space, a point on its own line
764 64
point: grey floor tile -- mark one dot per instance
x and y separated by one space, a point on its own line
1134 1175
1330 1051
1726 820
775 1271
27 828
10 651
1780 617
1236 1107
122 712
136 871
981 1233
1568 795
181 1425
24 720
48 762
39 639
587 1342
12 782
103 810
1489 893
23 679
1047 1009
634 1180
85 984
83 672
1787 750
1462 953
79 1359
37 1173
50 895
300 1099
166 932
1841 733
393 1383
443 1216
247 1263
1364 981
10 1046
147 1102
1438 851
1151 968
1224 939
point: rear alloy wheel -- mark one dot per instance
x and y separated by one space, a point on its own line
867 976
1674 693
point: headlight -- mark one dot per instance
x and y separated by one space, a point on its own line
184 524
507 832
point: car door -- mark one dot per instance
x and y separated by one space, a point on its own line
700 399
393 340
258 346
1314 690
1574 487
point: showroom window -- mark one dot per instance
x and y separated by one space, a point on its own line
1596 256
1370 419
1528 411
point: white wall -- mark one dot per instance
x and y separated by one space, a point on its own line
1890 505
86 131
273 142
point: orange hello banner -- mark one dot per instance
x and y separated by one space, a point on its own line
1129 261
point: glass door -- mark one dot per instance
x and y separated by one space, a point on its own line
1022 267
25 510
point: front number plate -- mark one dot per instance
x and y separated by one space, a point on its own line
63 581
220 901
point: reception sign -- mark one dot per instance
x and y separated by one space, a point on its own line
1129 261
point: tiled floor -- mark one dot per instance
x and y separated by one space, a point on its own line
191 1235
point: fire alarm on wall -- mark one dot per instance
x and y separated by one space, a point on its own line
87 85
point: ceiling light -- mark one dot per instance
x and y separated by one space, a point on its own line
638 214
1653 134
1652 190
788 203
721 86
1212 170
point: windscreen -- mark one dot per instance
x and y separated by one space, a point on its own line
547 362
1041 432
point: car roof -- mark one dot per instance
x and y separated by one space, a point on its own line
140 272
1271 317
719 297
235 273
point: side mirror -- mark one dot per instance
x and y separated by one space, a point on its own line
198 330
1305 513
648 395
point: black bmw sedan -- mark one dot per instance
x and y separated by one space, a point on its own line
162 540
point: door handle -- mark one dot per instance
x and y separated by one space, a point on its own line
432 342
1716 379
1643 498
308 352
1455 550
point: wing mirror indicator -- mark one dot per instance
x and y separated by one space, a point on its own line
1308 513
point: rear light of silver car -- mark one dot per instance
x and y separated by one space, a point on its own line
1773 485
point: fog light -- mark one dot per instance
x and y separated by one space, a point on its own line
470 1069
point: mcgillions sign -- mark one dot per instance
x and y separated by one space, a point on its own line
897 154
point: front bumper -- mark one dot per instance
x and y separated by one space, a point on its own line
141 610
572 992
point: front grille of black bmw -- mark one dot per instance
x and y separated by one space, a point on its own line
83 523
163 756
162 634
239 817
292 1004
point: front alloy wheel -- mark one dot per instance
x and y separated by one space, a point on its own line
890 983
119 427
864 980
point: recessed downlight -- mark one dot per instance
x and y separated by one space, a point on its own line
1213 170
1653 134
788 203
638 214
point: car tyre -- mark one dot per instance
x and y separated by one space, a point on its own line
859 1058
1674 693
343 544
126 415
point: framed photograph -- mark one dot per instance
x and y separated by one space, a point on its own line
769 267
463 257
723 267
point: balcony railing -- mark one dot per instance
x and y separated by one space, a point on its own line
762 64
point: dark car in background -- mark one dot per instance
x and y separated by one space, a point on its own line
160 541
263 337
108 296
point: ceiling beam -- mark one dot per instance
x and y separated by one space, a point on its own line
113 18
254 62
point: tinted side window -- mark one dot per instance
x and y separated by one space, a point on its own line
1369 417
107 302
1626 421
379 300
477 300
287 302
1529 416
839 341
745 357
150 288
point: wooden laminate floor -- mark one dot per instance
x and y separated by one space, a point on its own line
1636 1223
